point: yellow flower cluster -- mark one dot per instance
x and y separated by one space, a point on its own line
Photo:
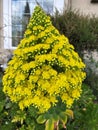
44 67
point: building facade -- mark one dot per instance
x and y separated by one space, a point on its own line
86 7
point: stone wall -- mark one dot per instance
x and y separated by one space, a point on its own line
91 60
5 55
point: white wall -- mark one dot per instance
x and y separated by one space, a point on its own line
1 24
85 7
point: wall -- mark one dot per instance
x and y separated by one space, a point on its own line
85 7
1 24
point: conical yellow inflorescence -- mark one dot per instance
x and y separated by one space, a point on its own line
44 67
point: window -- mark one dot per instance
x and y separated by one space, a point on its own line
16 15
94 1
21 12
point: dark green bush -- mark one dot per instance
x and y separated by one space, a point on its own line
85 119
85 112
82 31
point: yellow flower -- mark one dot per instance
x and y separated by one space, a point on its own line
19 78
21 105
46 75
43 68
33 78
52 72
76 93
69 102
46 85
28 32
38 72
66 98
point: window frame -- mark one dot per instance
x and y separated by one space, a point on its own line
94 1
7 24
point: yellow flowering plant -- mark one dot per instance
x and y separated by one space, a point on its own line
45 69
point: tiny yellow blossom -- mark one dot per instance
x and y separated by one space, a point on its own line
44 67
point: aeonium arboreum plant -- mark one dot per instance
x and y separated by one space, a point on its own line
45 69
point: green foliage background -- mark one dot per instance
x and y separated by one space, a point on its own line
81 30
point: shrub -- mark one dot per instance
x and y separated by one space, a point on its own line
82 31
85 112
44 72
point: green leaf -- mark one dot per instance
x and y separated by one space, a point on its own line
49 124
69 113
55 117
41 119
63 117
1 106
